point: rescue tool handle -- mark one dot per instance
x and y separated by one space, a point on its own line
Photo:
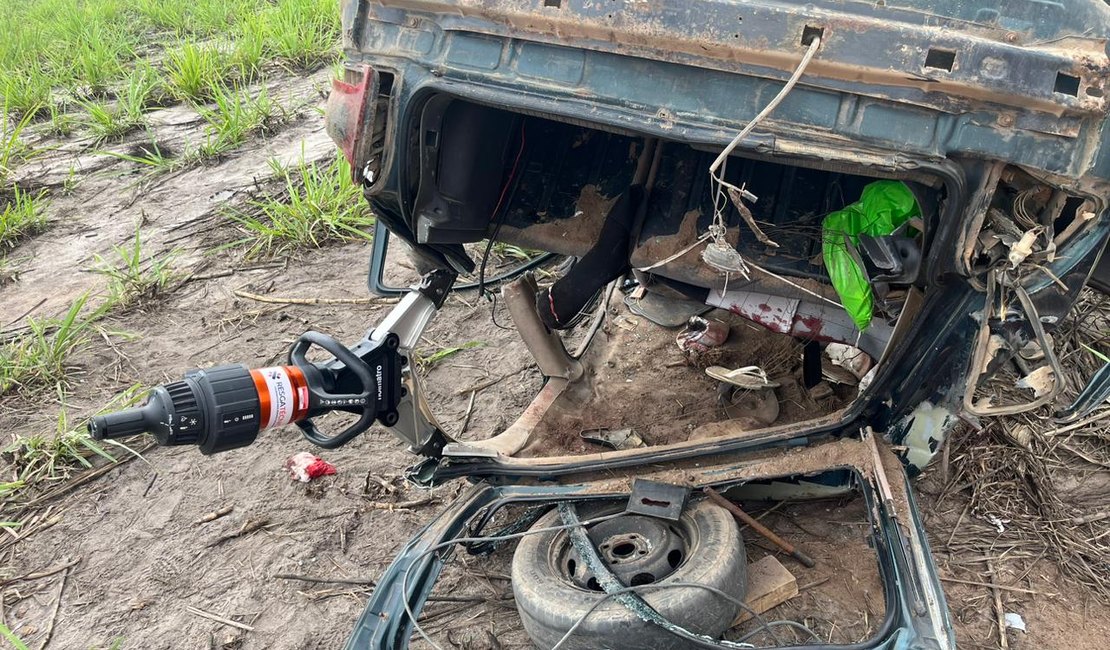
366 401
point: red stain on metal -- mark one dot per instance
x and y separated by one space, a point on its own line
809 325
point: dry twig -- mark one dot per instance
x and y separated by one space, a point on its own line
214 515
196 611
54 613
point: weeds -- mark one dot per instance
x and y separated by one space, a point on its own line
143 88
235 116
511 252
52 456
22 216
150 156
61 122
170 15
27 90
196 72
86 51
318 204
106 120
250 49
130 281
11 147
16 642
38 357
304 32
71 181
97 56
430 361
109 120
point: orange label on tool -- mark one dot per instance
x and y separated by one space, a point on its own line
282 393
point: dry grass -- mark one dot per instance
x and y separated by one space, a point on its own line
1026 486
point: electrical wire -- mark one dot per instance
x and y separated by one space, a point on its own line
479 539
718 183
498 215
717 168
794 624
599 317
764 625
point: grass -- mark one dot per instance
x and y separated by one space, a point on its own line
16 642
511 252
22 216
441 354
234 116
37 358
195 72
111 60
131 279
26 92
251 49
149 156
108 120
61 122
53 456
1098 355
303 32
97 56
12 148
318 204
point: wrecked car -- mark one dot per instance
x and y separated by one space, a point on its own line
868 219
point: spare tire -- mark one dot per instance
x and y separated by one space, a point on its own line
553 590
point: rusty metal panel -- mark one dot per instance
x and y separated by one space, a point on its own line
671 69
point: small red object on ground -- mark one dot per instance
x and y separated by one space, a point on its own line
305 467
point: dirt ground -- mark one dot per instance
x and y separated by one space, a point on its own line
143 571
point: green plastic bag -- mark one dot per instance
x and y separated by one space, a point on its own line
881 209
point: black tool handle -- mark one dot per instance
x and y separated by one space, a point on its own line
319 399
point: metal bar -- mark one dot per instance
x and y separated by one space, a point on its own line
737 512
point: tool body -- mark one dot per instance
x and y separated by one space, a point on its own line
226 407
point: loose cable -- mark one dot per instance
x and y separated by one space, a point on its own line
478 539
498 215
764 625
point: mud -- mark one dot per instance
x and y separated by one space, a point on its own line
573 235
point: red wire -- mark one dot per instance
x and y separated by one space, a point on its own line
512 173
496 209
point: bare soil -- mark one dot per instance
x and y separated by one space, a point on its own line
143 567
638 378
